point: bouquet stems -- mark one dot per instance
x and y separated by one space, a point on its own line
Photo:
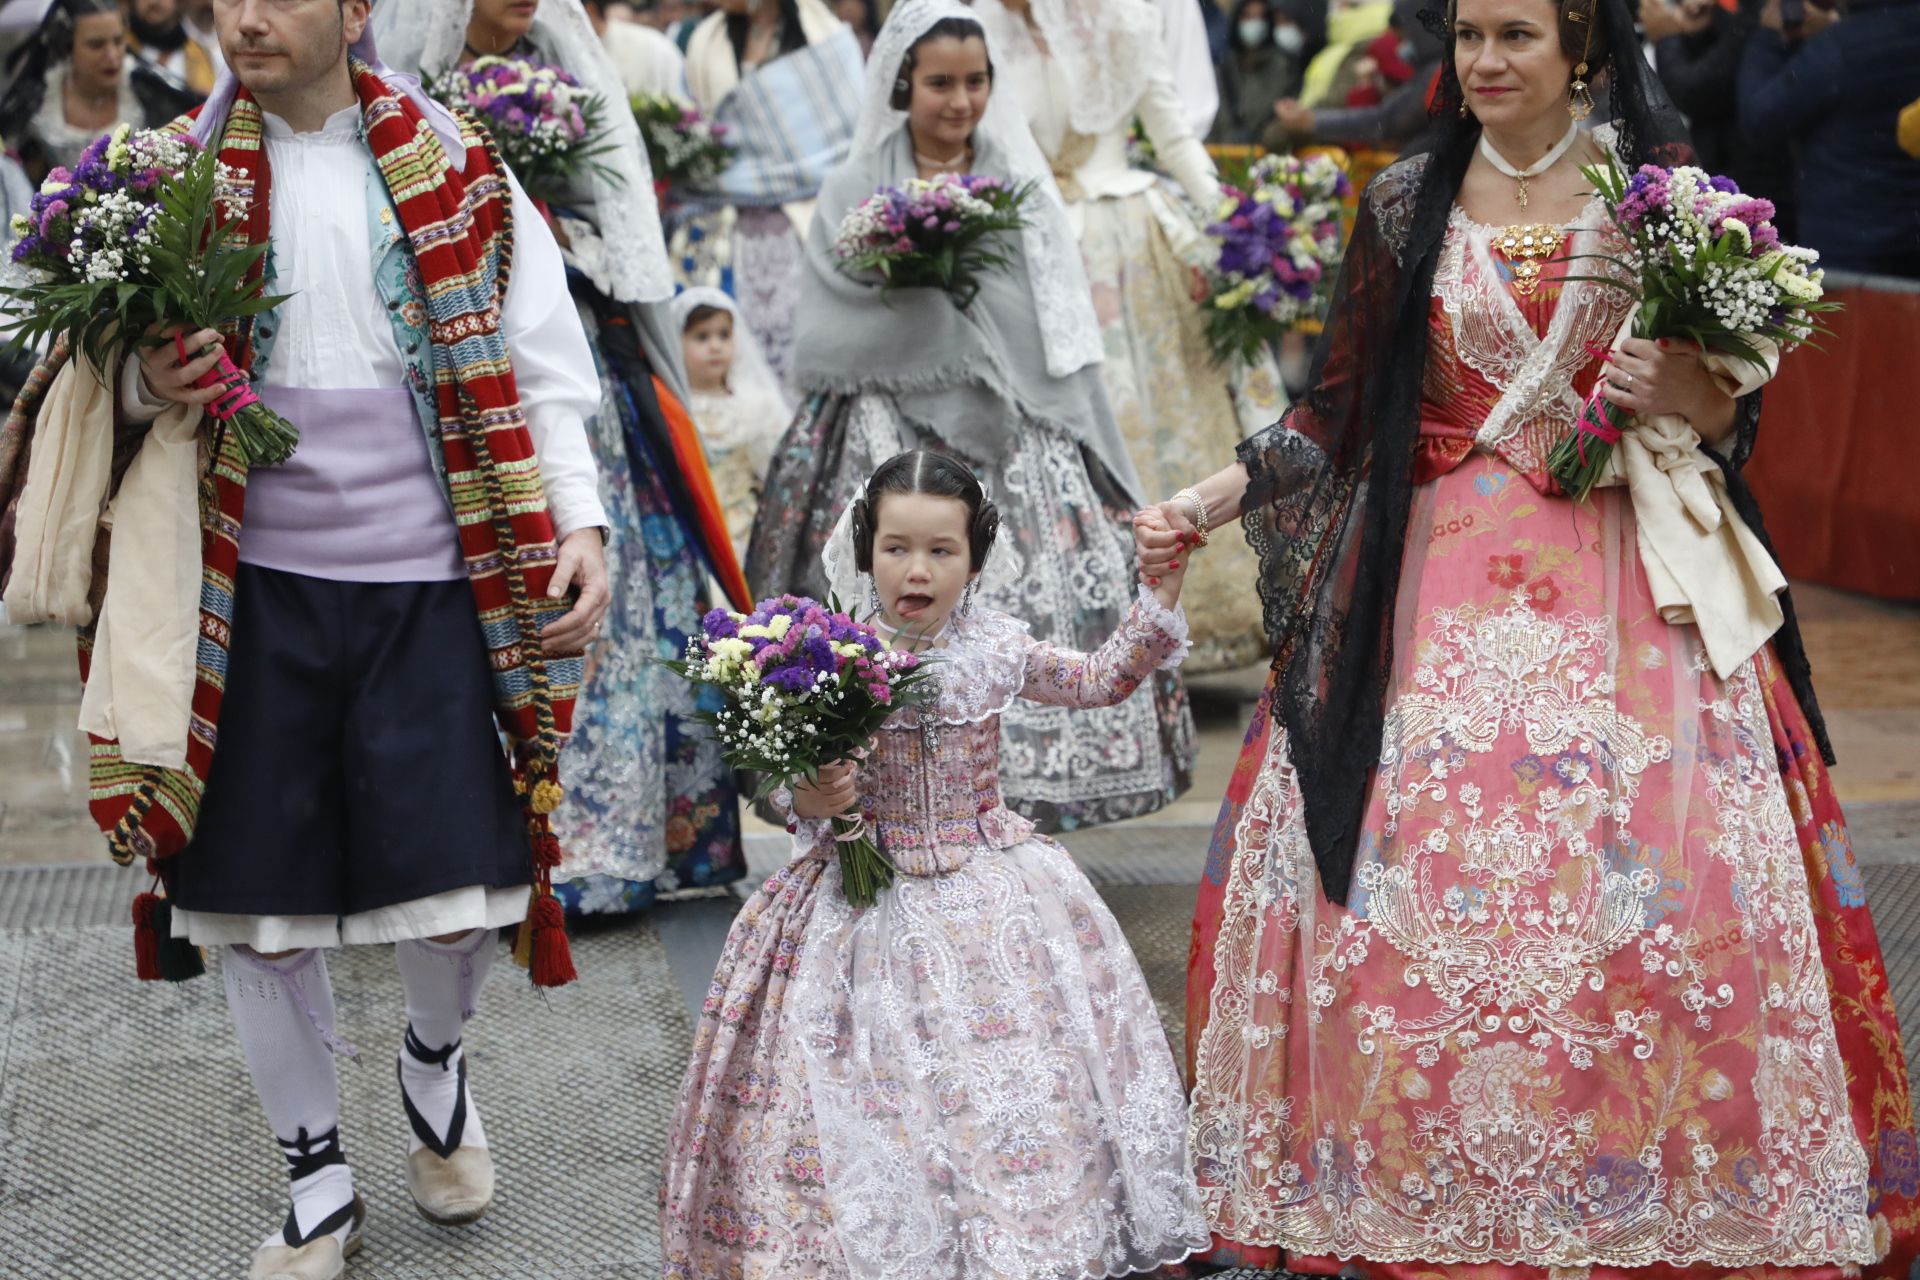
264 436
1580 460
864 870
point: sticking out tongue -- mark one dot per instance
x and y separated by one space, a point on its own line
912 606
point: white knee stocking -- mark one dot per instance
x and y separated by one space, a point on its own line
443 982
283 1015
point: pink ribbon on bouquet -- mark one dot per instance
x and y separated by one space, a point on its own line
239 392
1593 414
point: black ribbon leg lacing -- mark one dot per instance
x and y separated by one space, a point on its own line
457 1125
307 1155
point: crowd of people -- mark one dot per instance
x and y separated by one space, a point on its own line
1530 941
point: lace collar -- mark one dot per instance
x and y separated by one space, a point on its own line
980 669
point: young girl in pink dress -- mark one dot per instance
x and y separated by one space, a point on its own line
968 1078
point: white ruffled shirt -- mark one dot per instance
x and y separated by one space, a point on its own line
335 334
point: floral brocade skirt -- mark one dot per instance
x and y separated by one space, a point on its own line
1180 412
1605 994
650 804
967 1079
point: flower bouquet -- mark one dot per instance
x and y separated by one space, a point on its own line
1706 264
140 234
805 685
547 127
1278 241
684 148
933 233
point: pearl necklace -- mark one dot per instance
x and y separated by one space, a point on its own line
1533 170
959 164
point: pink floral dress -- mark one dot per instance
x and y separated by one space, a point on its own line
1575 1017
967 1080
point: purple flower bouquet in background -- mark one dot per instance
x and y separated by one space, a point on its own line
805 685
933 233
547 127
1277 243
1705 264
139 234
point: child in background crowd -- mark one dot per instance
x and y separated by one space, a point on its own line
735 401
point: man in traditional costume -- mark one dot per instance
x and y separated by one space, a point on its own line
316 619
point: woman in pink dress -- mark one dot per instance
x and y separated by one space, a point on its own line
1530 942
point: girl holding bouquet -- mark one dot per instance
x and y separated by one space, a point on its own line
1009 382
966 1078
1532 943
650 807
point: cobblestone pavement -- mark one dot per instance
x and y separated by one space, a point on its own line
131 1147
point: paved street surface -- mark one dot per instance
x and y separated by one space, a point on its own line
131 1147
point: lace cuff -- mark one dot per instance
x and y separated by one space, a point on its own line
807 833
1170 623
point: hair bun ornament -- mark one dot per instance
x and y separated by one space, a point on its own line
986 528
1436 23
861 527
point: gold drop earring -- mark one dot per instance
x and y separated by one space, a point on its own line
1579 97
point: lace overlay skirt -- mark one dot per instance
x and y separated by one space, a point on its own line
967 1081
1176 407
1576 1014
767 261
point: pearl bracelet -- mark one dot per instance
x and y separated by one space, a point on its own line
1197 506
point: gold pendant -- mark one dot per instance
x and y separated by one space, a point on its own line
1526 250
1521 194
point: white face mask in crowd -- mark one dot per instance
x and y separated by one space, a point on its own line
1253 33
1290 38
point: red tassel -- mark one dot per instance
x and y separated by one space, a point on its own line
546 850
146 939
552 957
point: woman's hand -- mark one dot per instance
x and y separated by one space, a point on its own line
1152 526
829 795
1162 536
1649 378
1296 118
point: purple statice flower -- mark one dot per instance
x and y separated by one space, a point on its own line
718 624
1751 210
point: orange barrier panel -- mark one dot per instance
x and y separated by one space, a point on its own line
1837 467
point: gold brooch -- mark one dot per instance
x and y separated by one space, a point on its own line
1527 249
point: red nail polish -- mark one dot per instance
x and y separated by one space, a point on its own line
1174 565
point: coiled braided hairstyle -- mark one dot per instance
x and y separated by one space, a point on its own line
936 475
